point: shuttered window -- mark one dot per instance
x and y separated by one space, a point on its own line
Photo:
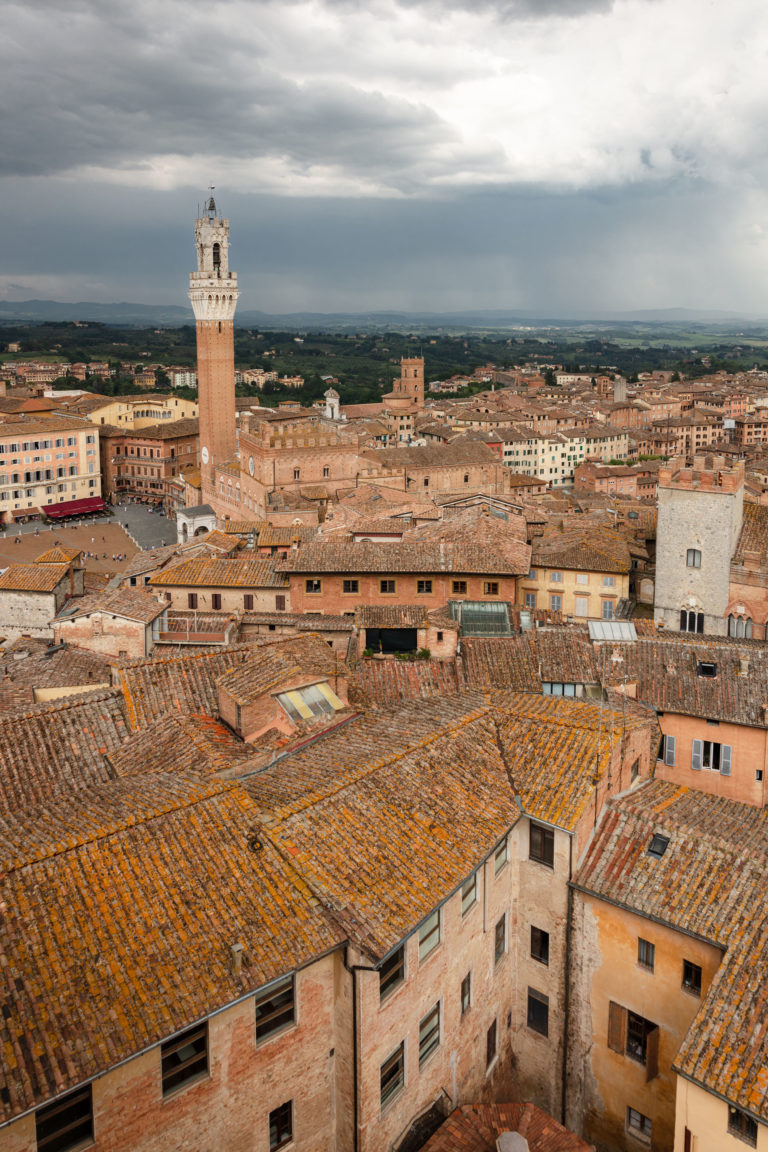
633 1036
669 750
707 754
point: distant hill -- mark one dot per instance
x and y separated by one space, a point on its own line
168 315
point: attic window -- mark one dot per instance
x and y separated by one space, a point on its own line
312 701
707 668
658 845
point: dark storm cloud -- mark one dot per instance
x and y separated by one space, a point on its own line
97 86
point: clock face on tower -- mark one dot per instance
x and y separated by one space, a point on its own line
204 454
251 465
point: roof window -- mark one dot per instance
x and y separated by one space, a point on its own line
658 845
314 700
707 668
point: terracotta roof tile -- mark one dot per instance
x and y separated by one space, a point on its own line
241 572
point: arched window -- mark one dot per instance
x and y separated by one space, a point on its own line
740 627
217 257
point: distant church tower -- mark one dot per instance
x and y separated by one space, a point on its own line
213 294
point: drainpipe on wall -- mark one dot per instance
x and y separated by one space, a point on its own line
567 985
354 969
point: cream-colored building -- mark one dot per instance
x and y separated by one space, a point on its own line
134 412
580 577
46 461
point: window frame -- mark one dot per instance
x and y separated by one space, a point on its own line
430 930
501 856
423 587
280 1140
59 1108
742 1126
469 889
646 954
500 939
350 587
465 993
490 588
276 1019
385 590
547 854
693 558
170 1072
395 1062
540 945
313 586
537 1014
491 1045
692 985
643 1129
430 1036
459 588
391 973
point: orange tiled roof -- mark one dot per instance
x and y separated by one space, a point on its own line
33 577
242 572
476 1127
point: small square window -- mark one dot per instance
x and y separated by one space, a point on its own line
185 1058
646 953
313 586
423 587
429 935
609 581
66 1123
556 577
387 587
538 1012
392 972
658 845
638 1124
469 894
466 993
542 845
500 939
539 945
490 588
693 558
692 977
281 1126
459 587
350 587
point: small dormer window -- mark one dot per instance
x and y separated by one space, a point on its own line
658 845
707 669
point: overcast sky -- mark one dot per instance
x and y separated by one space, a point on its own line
559 155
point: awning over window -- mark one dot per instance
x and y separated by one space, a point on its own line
75 507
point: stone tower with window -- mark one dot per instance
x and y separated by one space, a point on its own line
213 294
700 508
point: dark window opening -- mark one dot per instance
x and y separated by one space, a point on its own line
275 1009
742 1126
658 845
692 977
392 973
542 845
490 1045
540 945
185 1058
392 1075
66 1123
646 954
538 1012
281 1126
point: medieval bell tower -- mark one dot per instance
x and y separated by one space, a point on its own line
213 295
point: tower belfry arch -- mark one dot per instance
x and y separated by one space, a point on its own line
213 294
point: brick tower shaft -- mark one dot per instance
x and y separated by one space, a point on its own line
213 294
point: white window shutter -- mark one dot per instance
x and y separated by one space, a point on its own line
696 754
669 751
725 759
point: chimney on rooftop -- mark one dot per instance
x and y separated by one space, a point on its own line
236 951
744 666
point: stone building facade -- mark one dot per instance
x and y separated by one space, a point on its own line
700 510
